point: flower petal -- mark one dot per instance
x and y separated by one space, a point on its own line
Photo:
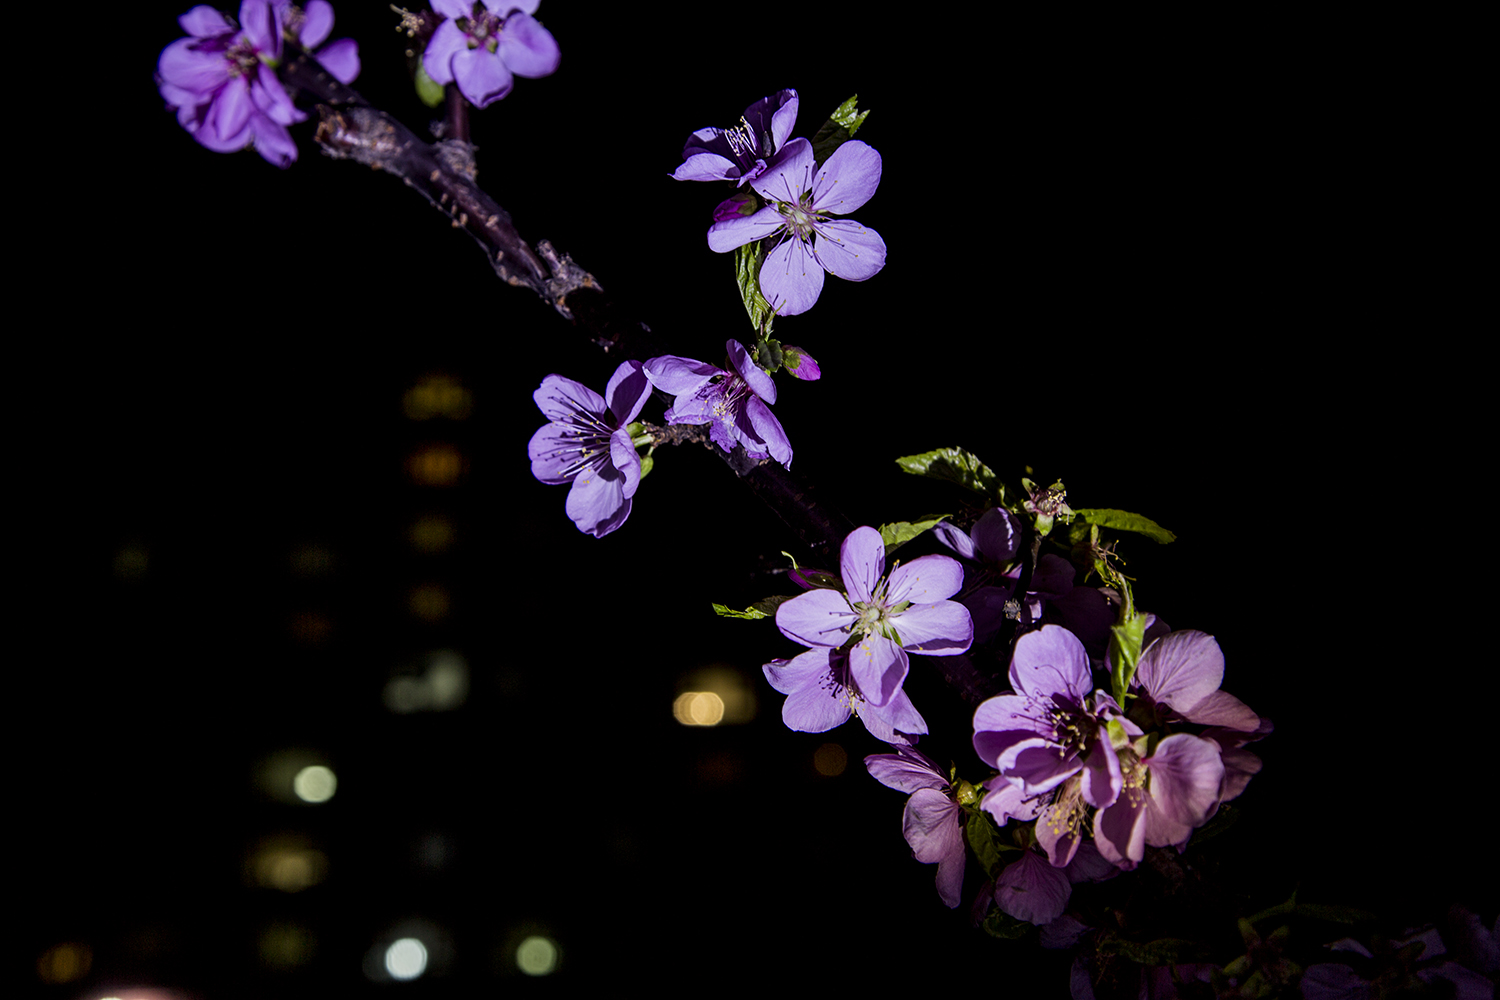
341 59
755 377
878 666
1050 661
627 392
1181 669
816 618
1030 889
848 250
1186 772
906 770
862 561
623 456
741 229
790 174
527 48
446 42
596 501
317 23
925 580
706 167
567 401
769 430
481 76
679 376
791 277
847 179
554 453
941 629
890 721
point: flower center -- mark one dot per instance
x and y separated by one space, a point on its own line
799 215
746 146
244 57
483 28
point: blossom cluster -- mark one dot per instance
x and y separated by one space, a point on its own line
586 443
482 45
1089 773
801 196
221 80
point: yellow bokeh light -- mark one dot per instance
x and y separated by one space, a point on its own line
698 708
713 695
432 533
441 687
315 783
436 465
286 774
286 946
437 396
429 602
536 956
287 864
63 963
830 760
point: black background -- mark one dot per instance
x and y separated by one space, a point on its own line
1140 257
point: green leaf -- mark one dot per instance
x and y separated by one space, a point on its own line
747 261
980 831
763 608
998 923
1162 951
1122 520
428 90
1335 914
899 533
838 129
956 466
751 612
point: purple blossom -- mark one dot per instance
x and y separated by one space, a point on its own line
822 694
1052 727
932 822
483 45
1181 673
1163 798
734 403
741 153
1030 889
221 83
309 25
585 444
872 623
801 198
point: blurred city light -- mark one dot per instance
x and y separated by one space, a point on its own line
286 946
429 602
536 956
63 963
698 708
287 863
315 783
437 396
312 560
286 774
431 533
830 760
443 685
713 695
406 958
131 562
435 465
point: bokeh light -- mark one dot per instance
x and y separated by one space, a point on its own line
286 863
442 685
435 465
830 760
437 396
713 695
406 958
431 533
314 784
65 962
698 708
536 956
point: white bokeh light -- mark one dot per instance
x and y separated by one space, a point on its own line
406 958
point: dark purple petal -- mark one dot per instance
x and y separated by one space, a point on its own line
1120 831
956 540
454 8
1102 779
623 456
679 376
261 23
783 119
627 392
786 179
760 383
847 179
527 48
1004 801
706 167
273 142
1037 765
1223 709
554 454
816 618
931 826
1030 889
769 431
187 67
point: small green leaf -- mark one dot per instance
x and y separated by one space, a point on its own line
998 923
747 261
1162 951
980 830
646 463
1335 914
956 466
1122 520
768 605
428 90
899 533
725 612
838 129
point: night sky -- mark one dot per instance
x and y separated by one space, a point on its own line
284 489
